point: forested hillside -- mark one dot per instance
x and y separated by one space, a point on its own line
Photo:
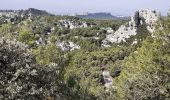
48 57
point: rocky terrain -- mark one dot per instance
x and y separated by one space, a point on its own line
49 57
30 11
139 18
129 29
67 46
72 24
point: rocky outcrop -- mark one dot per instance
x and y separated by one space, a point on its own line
107 78
121 34
67 46
71 24
30 11
140 17
15 16
150 18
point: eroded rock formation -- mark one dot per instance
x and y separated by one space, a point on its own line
140 17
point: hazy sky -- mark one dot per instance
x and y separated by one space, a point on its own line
116 7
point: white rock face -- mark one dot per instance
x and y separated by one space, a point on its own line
130 29
73 24
121 34
150 17
109 30
107 78
67 46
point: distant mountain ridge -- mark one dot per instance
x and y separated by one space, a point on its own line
37 12
101 16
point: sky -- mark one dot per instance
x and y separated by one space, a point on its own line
116 7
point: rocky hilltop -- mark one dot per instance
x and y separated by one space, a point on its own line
15 16
32 11
145 16
140 17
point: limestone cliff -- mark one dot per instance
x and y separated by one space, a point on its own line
140 17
